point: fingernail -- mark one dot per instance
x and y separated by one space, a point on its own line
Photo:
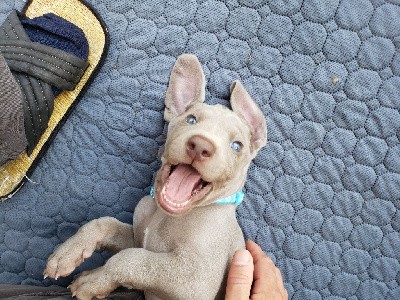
242 258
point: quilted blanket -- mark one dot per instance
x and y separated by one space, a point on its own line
323 197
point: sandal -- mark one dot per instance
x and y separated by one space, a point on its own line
41 79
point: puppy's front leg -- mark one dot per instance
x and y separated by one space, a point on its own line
107 233
165 275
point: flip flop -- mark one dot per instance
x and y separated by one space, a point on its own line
16 172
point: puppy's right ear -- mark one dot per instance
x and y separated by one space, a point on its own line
244 106
186 86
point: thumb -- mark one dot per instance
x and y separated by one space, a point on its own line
240 276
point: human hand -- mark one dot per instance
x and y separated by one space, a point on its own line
254 276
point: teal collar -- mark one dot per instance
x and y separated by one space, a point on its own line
236 198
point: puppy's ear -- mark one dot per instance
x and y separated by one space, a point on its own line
186 86
244 106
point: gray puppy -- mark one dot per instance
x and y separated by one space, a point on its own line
184 235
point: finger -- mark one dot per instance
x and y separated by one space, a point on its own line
266 282
280 283
240 276
255 250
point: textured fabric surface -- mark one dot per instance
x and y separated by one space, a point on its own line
323 197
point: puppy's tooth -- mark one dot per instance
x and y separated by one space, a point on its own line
74 294
57 275
45 276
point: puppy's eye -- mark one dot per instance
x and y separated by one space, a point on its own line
236 146
190 119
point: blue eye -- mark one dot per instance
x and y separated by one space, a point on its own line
236 146
191 120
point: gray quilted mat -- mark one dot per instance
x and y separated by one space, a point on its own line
323 197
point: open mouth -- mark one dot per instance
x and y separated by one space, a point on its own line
182 186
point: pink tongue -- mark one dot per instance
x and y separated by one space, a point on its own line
181 183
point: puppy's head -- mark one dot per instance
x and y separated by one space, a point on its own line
209 147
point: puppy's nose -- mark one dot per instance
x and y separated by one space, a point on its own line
199 148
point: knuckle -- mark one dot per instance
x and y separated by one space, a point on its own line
259 296
271 295
267 260
239 278
276 294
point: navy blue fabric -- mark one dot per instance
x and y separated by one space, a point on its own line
54 31
322 198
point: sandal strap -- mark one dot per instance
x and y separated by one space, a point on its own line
38 99
53 66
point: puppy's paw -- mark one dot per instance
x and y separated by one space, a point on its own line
67 257
95 283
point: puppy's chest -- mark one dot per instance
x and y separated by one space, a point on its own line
154 238
158 233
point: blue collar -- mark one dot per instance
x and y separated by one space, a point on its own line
236 198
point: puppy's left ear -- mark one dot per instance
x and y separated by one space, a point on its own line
186 86
244 106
